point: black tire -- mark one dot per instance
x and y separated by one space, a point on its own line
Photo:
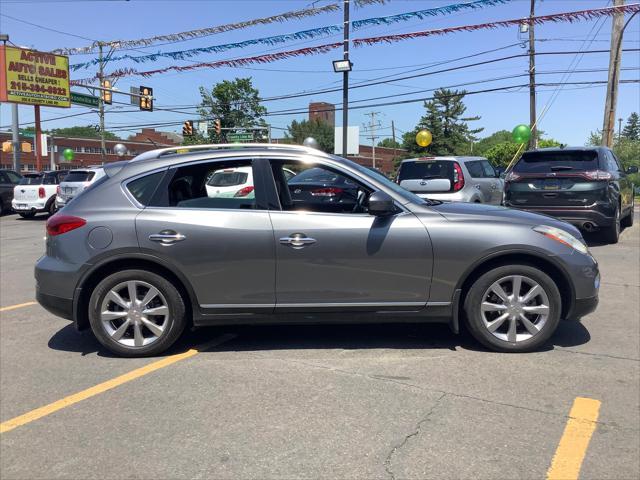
177 313
474 299
628 220
51 207
27 214
611 234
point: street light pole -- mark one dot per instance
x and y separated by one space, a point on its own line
345 81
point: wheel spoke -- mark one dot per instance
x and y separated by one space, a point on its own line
512 332
155 329
537 309
151 294
531 294
529 325
517 284
117 299
117 335
131 286
108 315
492 307
138 339
162 310
499 291
493 326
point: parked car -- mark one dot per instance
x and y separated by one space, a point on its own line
36 193
145 252
323 190
236 182
8 180
455 179
75 183
586 186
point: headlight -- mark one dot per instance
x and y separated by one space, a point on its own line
562 237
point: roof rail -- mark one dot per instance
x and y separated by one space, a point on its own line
224 146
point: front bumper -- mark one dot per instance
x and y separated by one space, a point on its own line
582 307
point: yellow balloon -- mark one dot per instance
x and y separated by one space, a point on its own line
423 138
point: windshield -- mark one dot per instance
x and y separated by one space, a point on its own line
31 180
79 177
227 179
557 161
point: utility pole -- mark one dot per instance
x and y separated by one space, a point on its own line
345 80
38 139
533 141
608 124
52 156
393 137
15 137
103 148
619 129
372 128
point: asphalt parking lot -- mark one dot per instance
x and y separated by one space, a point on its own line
388 402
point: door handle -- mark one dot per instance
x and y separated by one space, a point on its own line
167 237
297 240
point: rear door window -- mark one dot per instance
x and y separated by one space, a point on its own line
557 161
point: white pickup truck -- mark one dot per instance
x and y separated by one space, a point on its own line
36 193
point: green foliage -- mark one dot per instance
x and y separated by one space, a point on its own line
501 154
631 130
321 131
389 143
88 131
446 122
484 144
236 103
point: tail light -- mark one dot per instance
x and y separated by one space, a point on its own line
458 177
41 192
512 177
59 224
598 175
326 192
243 192
58 190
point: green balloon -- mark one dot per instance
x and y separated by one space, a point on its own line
68 154
521 134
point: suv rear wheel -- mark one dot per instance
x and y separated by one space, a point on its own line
628 220
136 313
611 234
514 308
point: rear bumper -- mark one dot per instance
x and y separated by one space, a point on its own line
583 218
21 206
61 307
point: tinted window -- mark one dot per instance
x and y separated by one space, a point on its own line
557 161
31 180
79 176
489 171
319 175
143 188
227 179
475 169
426 169
612 164
50 179
13 177
3 178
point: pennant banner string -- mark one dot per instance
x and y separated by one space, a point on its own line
358 42
301 35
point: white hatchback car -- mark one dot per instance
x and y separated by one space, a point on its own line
230 182
75 183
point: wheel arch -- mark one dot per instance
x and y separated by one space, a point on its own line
532 259
127 262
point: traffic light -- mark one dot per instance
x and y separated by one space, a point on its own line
187 128
218 126
146 99
106 94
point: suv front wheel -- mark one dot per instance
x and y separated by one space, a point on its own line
136 313
514 308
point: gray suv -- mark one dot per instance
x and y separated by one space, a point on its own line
145 252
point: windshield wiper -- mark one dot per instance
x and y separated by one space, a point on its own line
561 167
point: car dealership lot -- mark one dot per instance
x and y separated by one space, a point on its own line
409 401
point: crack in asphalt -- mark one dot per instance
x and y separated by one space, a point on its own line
405 440
560 349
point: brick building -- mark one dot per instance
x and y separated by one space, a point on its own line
323 111
384 158
87 150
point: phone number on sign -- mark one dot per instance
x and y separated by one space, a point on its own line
35 88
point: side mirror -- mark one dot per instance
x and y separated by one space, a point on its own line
381 204
633 169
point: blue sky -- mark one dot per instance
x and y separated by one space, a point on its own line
572 114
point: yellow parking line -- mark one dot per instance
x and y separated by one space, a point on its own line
20 305
575 440
104 386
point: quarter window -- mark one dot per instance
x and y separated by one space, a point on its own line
143 188
475 169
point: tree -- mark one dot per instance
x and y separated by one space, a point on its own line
235 103
501 154
88 131
484 144
389 143
631 130
321 131
447 124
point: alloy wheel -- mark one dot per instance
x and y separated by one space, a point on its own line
134 313
515 308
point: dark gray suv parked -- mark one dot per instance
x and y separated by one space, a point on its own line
145 251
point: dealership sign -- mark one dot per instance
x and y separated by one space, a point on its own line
34 78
